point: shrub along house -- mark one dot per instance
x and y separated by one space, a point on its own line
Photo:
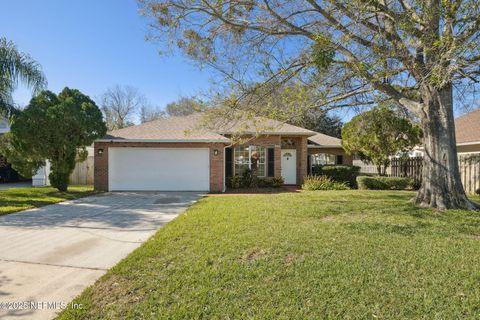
175 154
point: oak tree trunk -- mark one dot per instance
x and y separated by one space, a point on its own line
441 185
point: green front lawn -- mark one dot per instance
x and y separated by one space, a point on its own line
311 255
17 199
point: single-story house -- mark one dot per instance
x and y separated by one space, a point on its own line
467 132
175 154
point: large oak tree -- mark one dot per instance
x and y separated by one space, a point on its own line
356 52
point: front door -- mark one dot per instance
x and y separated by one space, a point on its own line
289 166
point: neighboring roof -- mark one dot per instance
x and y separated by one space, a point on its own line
323 140
167 129
189 129
467 127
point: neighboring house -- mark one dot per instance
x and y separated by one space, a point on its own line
467 132
173 154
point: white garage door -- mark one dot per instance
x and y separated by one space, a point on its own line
158 169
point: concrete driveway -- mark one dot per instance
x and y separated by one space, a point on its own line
49 255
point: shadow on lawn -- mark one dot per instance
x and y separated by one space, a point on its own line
113 210
26 200
422 219
248 191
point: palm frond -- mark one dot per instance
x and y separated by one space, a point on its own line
15 67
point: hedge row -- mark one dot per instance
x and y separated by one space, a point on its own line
384 183
338 173
322 183
237 182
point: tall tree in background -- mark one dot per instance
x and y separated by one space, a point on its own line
354 52
379 134
184 107
149 113
120 104
15 67
322 122
292 103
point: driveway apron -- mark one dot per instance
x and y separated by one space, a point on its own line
48 255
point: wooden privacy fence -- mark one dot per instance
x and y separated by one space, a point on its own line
83 172
469 166
410 167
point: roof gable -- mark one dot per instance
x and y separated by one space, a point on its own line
168 129
325 140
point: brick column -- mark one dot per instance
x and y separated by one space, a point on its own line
100 166
217 167
303 164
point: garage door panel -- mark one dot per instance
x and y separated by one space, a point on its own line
159 169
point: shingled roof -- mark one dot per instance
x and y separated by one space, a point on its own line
189 129
467 127
167 129
265 126
322 140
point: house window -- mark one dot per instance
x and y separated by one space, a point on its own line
323 159
250 157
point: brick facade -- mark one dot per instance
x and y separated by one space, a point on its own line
101 160
217 162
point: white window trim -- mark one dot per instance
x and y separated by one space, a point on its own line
250 160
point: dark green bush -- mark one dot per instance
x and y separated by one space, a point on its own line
384 183
323 183
234 182
338 173
477 191
276 182
248 180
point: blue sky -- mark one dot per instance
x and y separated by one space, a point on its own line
91 45
94 44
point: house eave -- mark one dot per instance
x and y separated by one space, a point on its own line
323 146
166 140
468 143
270 133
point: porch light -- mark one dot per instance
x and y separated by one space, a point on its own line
215 152
100 152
